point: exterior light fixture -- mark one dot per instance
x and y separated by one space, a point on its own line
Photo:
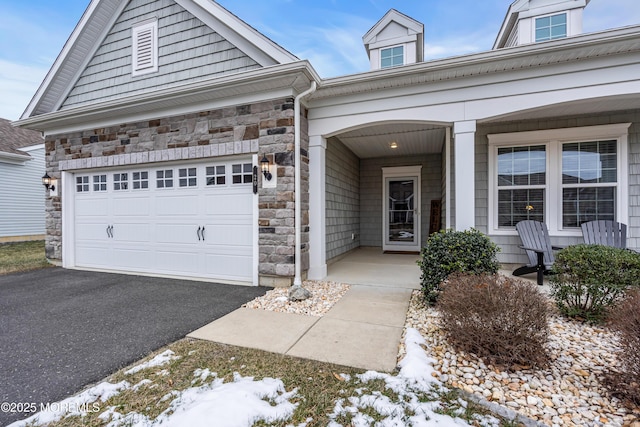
393 145
264 165
47 181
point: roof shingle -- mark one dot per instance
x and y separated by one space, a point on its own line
12 139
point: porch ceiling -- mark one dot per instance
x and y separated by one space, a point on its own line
590 106
411 139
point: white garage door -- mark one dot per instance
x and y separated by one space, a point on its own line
190 220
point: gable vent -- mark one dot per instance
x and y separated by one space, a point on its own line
145 48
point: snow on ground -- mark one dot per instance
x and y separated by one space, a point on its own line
245 401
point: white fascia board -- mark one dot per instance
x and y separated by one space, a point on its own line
32 148
553 8
14 159
246 38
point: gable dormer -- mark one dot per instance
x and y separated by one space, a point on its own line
533 21
394 40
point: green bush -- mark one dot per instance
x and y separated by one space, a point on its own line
448 252
588 279
502 320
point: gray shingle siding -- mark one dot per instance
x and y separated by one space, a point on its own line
342 199
188 51
511 253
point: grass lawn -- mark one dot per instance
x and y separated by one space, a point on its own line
22 256
314 387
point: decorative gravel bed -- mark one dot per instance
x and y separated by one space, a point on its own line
323 296
567 393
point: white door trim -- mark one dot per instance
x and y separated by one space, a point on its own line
413 172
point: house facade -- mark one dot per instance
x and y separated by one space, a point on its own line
22 165
187 144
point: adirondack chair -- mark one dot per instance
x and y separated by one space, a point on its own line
537 244
608 233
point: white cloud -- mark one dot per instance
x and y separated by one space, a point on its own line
18 84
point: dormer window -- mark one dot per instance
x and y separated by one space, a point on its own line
145 48
392 57
551 27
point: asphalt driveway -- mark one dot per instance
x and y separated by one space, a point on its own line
61 330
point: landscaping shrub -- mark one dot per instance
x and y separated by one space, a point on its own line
588 279
625 319
448 252
500 319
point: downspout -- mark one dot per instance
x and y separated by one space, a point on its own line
297 281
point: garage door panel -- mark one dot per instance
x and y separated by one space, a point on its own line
228 204
93 255
131 206
177 262
91 207
229 234
136 232
91 231
176 205
177 233
229 266
139 258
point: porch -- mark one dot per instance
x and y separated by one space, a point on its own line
370 266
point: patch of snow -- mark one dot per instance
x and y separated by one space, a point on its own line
141 383
160 360
201 375
80 404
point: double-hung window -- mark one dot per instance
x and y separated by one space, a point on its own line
561 177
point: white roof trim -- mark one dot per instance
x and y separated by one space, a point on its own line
14 159
393 16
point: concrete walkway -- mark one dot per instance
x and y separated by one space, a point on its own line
362 330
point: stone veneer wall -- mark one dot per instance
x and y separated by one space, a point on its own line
263 128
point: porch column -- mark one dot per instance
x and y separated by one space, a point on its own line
464 160
317 208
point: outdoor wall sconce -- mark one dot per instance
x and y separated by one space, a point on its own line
264 164
48 182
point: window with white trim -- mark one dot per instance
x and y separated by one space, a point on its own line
99 182
120 181
242 173
164 178
140 180
187 177
82 184
144 45
215 175
551 27
392 57
561 177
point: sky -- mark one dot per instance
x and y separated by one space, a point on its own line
246 401
328 33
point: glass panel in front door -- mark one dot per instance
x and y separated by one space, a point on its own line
401 211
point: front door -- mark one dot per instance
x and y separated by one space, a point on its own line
401 213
